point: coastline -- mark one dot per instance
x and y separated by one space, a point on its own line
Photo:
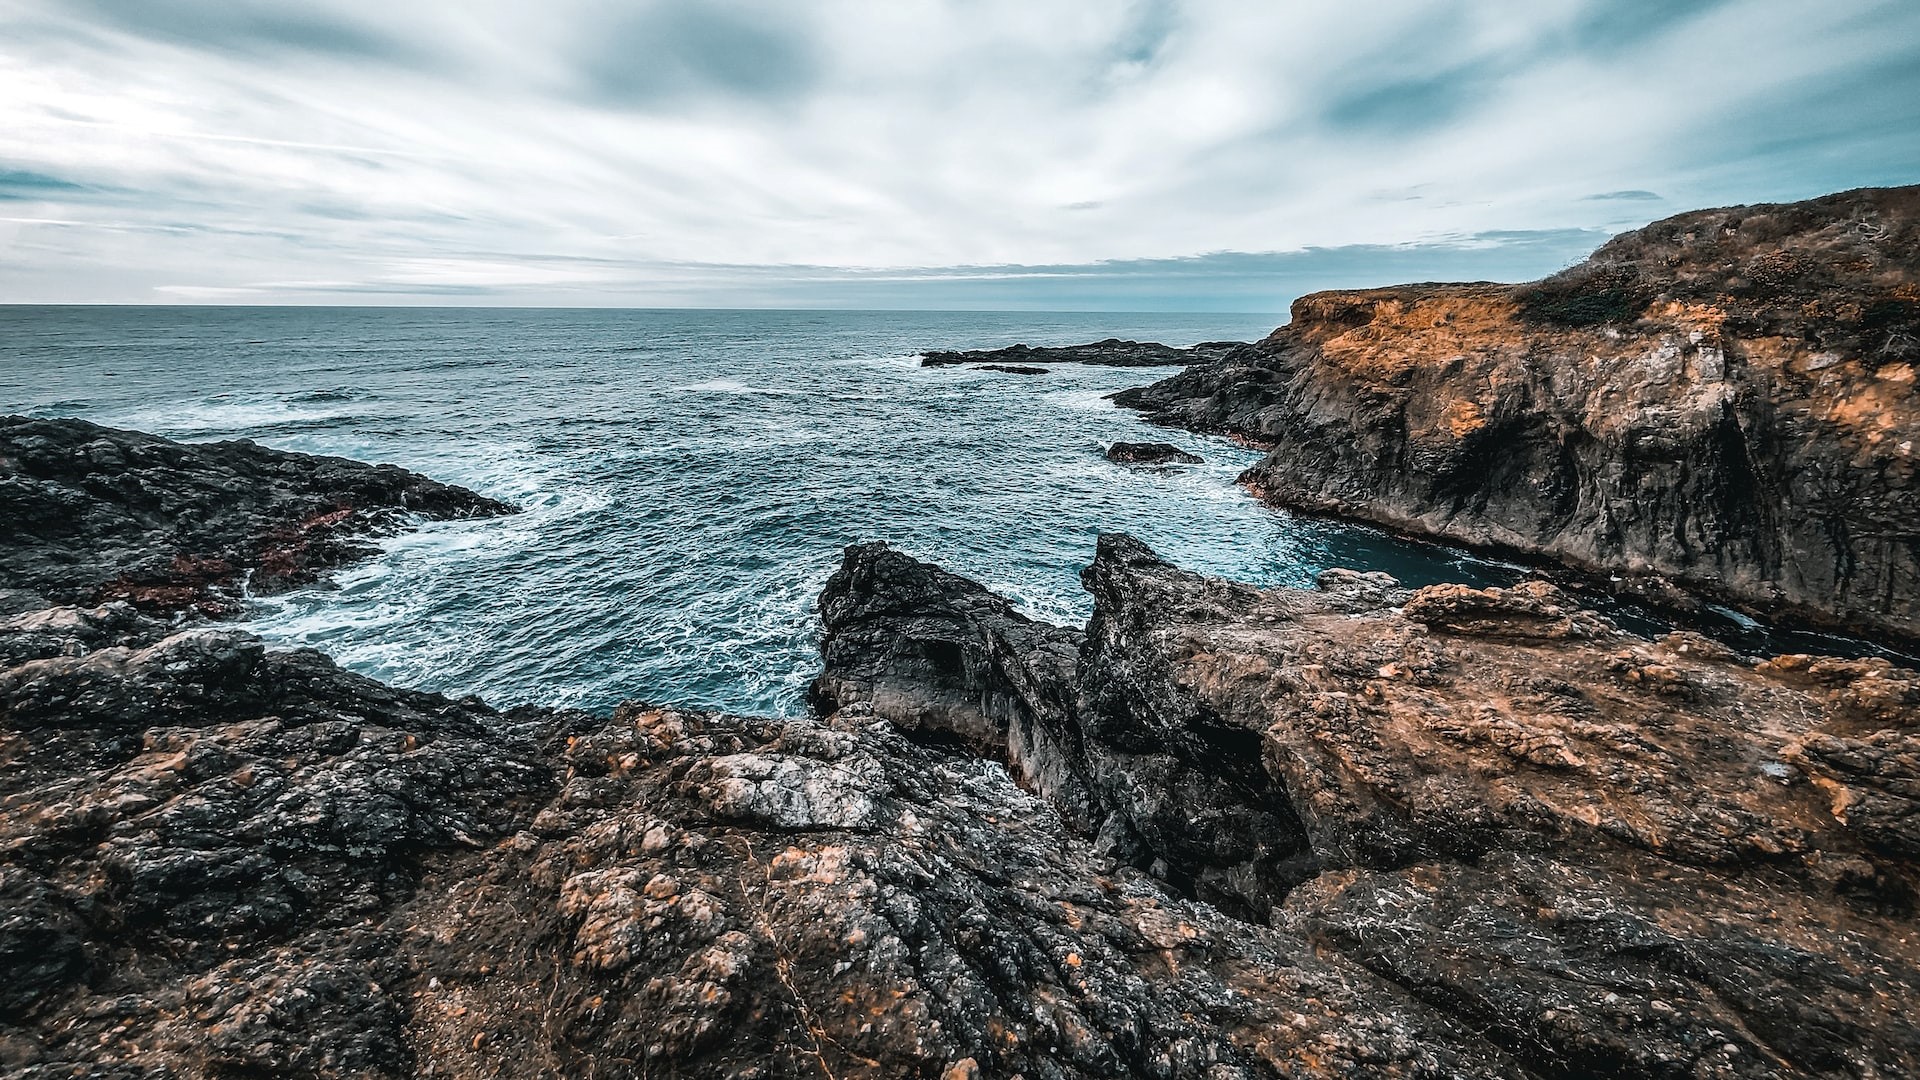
1359 827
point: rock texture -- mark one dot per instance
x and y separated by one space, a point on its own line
1604 855
91 514
218 860
1112 352
233 862
1150 453
1721 404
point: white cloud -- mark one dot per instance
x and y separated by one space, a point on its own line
592 151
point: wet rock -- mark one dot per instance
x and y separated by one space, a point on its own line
1150 453
1011 369
1719 405
91 515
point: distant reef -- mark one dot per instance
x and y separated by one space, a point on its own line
1112 352
1721 405
1352 830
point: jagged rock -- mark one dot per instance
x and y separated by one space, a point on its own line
91 514
1722 401
293 871
1112 352
1603 853
1150 453
943 658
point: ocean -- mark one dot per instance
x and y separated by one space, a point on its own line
689 478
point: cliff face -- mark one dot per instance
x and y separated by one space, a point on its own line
1605 855
1724 401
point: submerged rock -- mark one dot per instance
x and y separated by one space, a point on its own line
91 514
1721 401
1112 352
1011 369
1150 453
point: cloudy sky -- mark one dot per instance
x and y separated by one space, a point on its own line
1084 154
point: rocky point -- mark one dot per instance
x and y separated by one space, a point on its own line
1721 405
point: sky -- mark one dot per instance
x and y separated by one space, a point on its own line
1142 155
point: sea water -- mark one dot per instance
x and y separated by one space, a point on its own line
689 478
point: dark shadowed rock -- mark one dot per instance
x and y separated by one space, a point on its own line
1150 453
1112 352
1011 369
1722 401
91 514
945 659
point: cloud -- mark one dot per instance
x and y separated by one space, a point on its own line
24 184
677 53
263 28
754 151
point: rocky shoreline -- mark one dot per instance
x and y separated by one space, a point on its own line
1718 406
1219 831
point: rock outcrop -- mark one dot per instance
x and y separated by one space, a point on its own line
1150 453
1112 352
1604 854
1722 404
219 860
91 514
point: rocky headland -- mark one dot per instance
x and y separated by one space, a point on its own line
1719 405
1218 831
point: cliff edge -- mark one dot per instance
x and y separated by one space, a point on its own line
1722 405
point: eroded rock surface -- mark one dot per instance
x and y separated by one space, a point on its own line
91 514
1607 855
1723 401
223 861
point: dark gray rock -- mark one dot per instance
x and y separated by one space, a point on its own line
1112 352
91 514
1150 453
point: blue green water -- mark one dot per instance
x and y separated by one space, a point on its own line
689 477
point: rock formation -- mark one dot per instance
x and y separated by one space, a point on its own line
1605 855
1150 453
218 860
1112 352
1722 402
91 514
1011 369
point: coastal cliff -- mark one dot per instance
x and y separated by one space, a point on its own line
1720 405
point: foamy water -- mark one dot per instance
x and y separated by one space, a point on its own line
688 478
